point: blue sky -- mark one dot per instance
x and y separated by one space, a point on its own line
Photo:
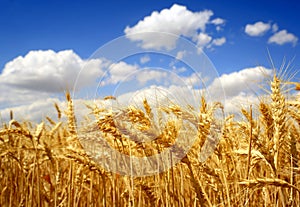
239 39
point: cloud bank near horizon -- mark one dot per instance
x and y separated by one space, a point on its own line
30 92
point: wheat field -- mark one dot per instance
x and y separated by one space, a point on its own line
255 162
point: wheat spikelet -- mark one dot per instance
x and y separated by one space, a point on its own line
147 108
267 119
38 132
204 127
57 110
70 114
279 111
248 116
175 109
50 120
14 123
139 118
109 98
169 135
17 131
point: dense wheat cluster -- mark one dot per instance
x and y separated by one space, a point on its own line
256 161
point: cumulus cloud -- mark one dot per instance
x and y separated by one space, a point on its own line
33 111
153 94
241 81
233 105
120 71
218 21
219 41
151 75
43 107
161 95
257 29
203 40
123 72
193 80
282 37
177 20
49 71
11 97
29 84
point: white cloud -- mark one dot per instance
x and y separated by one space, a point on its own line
152 94
11 97
34 111
218 21
282 37
38 109
238 88
162 77
162 95
241 81
120 71
150 75
219 41
29 84
241 90
233 105
124 72
192 80
48 71
203 40
275 27
145 59
257 29
177 20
